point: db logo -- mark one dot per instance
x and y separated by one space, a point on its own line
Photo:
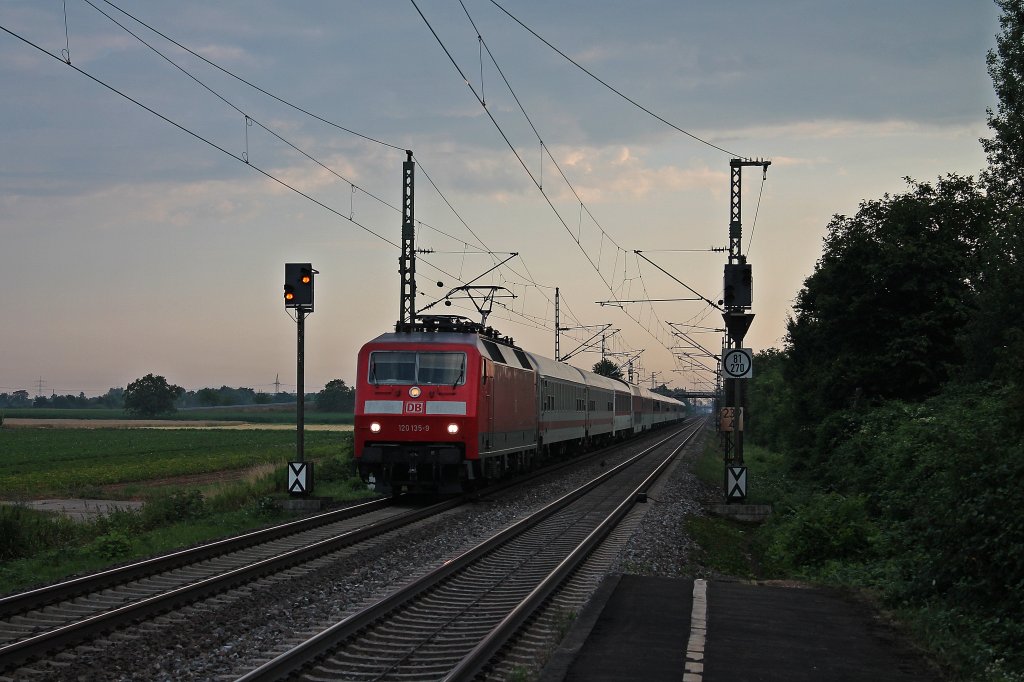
414 408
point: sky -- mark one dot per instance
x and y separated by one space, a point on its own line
149 198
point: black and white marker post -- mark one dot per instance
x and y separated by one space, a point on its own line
298 295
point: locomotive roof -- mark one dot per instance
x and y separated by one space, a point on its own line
428 337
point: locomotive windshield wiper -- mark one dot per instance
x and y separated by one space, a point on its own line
462 373
373 372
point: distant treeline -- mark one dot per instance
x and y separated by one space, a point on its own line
335 397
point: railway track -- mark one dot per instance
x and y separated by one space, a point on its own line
41 621
450 623
37 624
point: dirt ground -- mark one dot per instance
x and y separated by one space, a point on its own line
79 510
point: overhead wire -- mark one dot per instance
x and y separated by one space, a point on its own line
750 239
583 207
312 115
197 136
218 147
283 101
249 83
612 88
537 183
244 158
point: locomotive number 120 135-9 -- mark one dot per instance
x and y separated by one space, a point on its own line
413 428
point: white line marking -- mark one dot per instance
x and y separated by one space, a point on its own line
694 671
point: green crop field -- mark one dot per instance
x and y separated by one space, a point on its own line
254 414
64 462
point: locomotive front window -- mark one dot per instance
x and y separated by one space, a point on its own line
408 367
442 368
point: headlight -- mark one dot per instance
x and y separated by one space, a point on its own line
453 429
375 427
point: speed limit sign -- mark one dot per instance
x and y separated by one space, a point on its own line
737 364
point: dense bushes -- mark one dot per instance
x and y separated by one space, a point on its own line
828 527
24 532
945 476
919 501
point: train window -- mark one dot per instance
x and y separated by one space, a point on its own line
593 406
392 367
408 367
442 368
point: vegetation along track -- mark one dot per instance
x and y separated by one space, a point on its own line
451 622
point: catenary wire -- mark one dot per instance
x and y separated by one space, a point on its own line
610 87
515 152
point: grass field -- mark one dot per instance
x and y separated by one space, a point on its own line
77 462
253 414
198 485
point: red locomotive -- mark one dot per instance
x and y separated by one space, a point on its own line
444 403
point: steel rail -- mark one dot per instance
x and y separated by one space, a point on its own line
322 643
477 660
28 600
22 602
32 599
36 645
22 650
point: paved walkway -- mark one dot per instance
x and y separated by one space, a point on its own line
650 629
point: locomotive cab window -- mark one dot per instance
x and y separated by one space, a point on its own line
442 368
407 367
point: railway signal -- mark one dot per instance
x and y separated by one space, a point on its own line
298 295
298 286
735 367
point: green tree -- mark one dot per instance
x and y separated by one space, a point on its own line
768 400
1005 150
607 368
208 397
114 397
894 289
151 395
994 341
336 397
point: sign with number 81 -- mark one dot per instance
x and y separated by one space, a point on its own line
737 363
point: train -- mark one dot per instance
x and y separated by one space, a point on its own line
444 404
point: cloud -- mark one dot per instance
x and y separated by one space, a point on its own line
830 129
616 173
226 53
